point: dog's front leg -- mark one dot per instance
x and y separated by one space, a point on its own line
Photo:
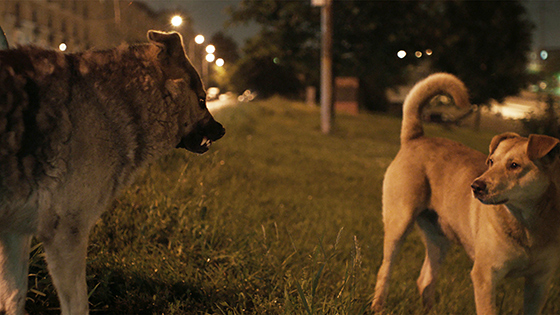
14 262
535 292
484 282
66 251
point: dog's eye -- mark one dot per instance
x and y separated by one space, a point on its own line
202 102
490 162
514 166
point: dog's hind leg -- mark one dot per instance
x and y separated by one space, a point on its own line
403 200
437 246
398 223
66 251
14 262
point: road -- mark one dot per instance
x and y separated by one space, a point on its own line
223 101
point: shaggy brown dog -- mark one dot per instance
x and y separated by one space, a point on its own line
74 129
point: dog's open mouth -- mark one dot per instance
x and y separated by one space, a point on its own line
200 141
196 144
206 143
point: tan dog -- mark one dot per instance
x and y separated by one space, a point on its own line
511 230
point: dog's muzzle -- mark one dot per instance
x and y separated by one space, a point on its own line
480 192
200 139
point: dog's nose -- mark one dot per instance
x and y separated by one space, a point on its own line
478 186
218 131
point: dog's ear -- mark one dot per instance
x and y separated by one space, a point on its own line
499 138
540 145
170 43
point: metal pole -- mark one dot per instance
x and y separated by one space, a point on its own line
3 40
191 50
117 9
327 113
205 72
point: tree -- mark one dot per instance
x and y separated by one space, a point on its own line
368 35
483 42
226 47
285 53
264 70
486 43
228 50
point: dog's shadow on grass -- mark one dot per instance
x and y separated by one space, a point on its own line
126 291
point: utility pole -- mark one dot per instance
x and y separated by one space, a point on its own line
3 40
327 112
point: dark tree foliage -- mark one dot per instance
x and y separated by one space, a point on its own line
226 47
284 56
368 35
264 69
485 43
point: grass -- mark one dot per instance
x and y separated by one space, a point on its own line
276 218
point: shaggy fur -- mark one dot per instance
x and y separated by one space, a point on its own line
74 129
511 227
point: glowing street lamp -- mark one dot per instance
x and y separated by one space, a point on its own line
176 20
210 49
199 39
62 47
210 58
220 62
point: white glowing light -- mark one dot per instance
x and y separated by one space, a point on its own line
176 20
199 39
220 62
210 57
210 49
401 54
62 47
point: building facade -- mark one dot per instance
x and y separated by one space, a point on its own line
80 25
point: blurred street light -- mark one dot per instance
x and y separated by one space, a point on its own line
176 20
220 62
62 47
210 49
401 54
199 39
206 66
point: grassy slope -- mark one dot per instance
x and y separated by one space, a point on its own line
276 219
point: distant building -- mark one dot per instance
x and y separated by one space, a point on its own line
92 24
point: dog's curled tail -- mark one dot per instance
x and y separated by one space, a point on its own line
424 91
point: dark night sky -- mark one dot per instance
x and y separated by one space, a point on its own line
209 17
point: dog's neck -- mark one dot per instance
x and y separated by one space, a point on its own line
539 219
